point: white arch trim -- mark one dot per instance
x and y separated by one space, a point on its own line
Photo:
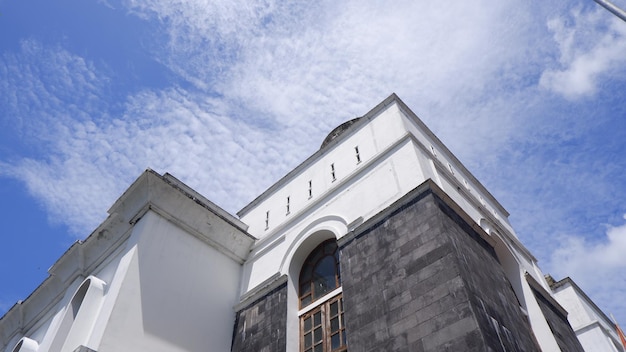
499 239
321 229
303 243
80 315
26 345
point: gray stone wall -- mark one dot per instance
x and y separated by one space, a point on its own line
561 329
260 327
418 278
496 307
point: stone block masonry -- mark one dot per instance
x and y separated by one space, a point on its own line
418 277
261 326
560 327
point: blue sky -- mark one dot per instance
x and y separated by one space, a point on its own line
230 95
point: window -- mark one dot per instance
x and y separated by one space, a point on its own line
332 172
358 155
288 205
322 327
71 311
310 189
80 314
320 273
267 219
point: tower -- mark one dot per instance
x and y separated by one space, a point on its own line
427 257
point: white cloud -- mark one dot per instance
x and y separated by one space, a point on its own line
41 86
90 163
269 80
287 66
286 74
283 60
590 48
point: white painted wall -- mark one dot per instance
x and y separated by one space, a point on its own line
47 327
594 331
371 139
164 273
177 295
170 292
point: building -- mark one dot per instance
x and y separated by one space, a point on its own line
380 241
594 329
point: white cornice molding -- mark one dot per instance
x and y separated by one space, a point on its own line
164 195
186 208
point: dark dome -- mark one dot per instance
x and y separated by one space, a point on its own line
338 131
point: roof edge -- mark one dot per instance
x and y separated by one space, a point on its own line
360 121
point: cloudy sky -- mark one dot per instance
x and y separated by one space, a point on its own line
230 95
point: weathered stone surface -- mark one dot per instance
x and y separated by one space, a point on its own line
260 327
419 278
562 331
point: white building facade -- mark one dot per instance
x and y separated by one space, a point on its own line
595 331
171 271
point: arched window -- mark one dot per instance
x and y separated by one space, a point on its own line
80 315
70 316
322 327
